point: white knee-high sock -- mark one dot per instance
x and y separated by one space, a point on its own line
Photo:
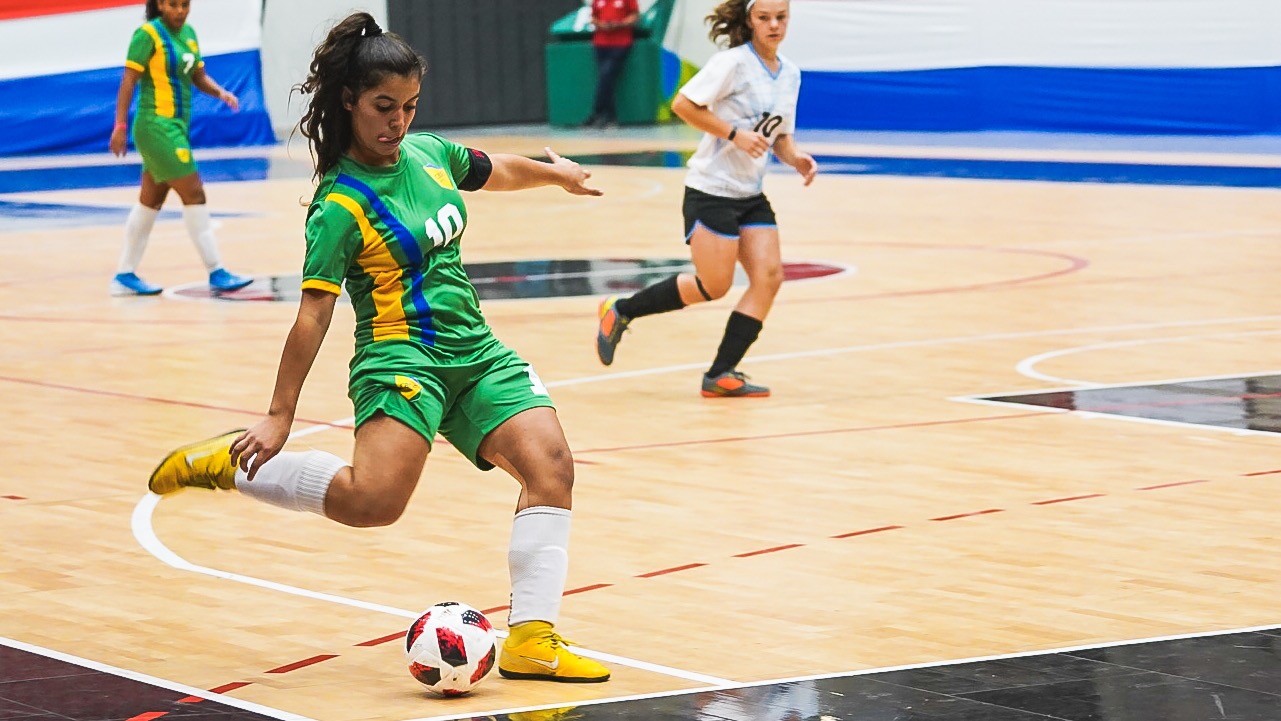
137 232
200 228
538 560
295 481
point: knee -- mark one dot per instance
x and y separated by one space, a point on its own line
373 513
714 288
556 479
770 278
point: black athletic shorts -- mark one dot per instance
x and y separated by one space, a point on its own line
725 216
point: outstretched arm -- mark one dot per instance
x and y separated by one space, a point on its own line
786 150
207 85
516 172
124 96
262 442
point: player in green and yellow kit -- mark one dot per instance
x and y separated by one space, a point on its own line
164 59
386 222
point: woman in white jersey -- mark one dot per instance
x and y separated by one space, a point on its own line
744 99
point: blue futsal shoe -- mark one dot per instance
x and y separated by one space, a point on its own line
224 281
131 284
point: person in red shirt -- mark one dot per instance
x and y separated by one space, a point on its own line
612 38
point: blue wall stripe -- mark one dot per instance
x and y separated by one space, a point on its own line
1098 100
72 113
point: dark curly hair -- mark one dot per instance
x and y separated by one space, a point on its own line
356 55
153 9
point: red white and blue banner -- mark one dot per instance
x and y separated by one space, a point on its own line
61 63
1121 66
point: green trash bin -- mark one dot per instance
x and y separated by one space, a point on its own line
571 69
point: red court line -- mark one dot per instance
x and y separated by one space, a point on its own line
686 567
303 663
585 589
768 550
149 716
802 434
593 587
229 687
384 639
1069 498
1261 473
967 515
14 498
864 532
153 399
1172 485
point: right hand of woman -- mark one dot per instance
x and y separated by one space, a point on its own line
119 142
260 444
751 142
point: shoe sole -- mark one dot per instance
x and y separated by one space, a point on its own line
713 394
182 452
606 357
123 292
231 288
518 676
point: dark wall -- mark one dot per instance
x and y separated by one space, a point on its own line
484 58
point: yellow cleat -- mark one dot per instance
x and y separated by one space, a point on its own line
564 713
542 656
206 464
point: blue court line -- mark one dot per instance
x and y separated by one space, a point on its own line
18 216
124 174
1053 171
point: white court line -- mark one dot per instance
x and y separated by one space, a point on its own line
152 680
1027 366
146 537
145 533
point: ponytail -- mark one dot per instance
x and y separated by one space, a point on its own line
355 56
153 9
729 20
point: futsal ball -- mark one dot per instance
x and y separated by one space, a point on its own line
451 648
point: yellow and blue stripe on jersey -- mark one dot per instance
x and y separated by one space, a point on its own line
165 72
391 299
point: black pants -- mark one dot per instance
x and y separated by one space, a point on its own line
609 65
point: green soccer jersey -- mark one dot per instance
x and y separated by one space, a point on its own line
166 60
391 234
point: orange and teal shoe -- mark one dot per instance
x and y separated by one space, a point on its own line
533 651
206 464
610 330
732 383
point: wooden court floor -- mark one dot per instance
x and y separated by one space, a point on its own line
865 516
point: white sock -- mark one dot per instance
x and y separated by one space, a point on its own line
294 481
200 228
538 560
137 232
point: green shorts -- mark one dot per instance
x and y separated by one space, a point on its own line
462 401
165 148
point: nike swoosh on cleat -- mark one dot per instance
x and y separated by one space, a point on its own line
193 457
551 665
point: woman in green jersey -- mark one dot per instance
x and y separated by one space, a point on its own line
164 58
386 222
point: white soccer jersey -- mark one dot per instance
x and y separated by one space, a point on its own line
738 87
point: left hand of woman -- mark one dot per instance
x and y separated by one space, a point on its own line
573 176
807 166
231 100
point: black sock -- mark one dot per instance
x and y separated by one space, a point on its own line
660 297
741 332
